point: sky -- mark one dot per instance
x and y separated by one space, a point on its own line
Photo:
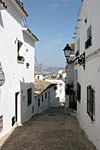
53 22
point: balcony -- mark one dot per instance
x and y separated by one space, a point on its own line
2 5
88 43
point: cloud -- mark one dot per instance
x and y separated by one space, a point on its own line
55 5
58 3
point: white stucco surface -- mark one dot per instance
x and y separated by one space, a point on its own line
18 78
91 75
60 92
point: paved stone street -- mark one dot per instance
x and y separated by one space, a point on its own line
51 130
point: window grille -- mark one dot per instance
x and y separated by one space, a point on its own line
42 98
39 102
89 37
90 102
78 92
29 96
45 95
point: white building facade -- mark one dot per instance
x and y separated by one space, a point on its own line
45 95
38 75
44 100
17 65
87 78
60 92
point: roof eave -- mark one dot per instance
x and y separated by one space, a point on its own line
20 6
29 32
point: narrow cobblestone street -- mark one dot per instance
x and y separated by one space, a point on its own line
51 130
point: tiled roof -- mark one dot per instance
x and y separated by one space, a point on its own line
72 45
38 72
41 85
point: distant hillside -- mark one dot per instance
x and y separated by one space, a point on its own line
52 69
49 69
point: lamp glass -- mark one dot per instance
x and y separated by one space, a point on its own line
67 52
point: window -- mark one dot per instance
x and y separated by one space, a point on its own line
60 76
29 96
42 98
60 84
55 87
27 65
78 92
78 47
45 95
89 37
32 109
90 102
85 20
20 57
38 77
39 102
77 53
13 120
89 33
1 123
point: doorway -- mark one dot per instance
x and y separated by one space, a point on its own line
16 106
72 102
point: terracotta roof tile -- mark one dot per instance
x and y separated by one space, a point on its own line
41 85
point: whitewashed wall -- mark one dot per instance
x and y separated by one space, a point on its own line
10 31
91 75
60 92
50 101
70 73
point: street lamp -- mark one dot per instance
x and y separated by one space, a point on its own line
67 52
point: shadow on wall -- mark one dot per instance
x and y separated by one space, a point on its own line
27 39
1 20
58 101
27 100
55 102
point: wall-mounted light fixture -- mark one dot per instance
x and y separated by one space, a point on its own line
81 60
68 52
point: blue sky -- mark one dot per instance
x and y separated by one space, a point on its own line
53 21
